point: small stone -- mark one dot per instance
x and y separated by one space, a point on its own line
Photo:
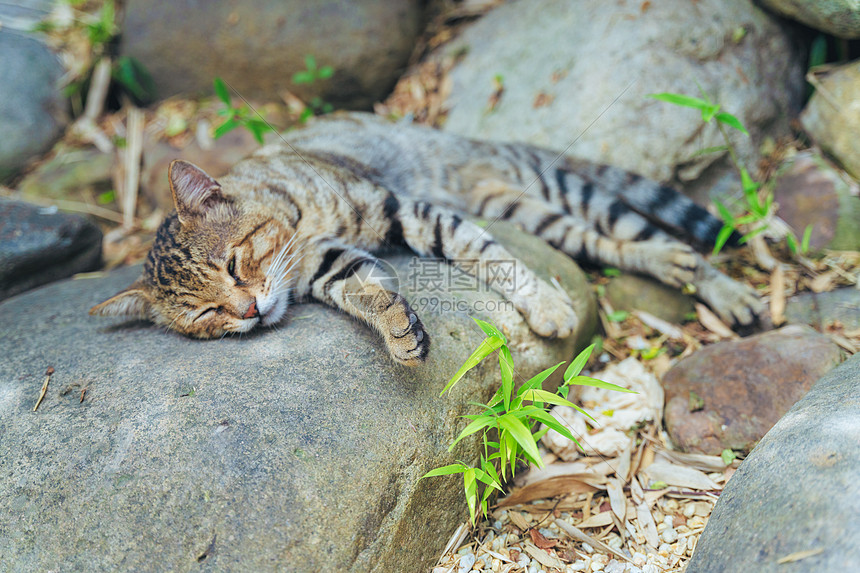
587 548
669 535
466 562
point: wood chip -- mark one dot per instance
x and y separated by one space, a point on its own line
579 535
518 520
542 556
682 476
777 296
710 321
617 499
48 373
647 525
798 555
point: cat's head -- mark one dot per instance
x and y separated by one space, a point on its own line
217 265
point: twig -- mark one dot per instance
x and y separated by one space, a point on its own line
86 127
44 391
133 151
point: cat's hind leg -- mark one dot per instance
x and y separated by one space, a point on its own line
622 238
356 282
434 231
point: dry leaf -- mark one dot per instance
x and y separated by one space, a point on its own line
542 556
710 321
681 476
617 499
518 520
541 541
551 487
647 525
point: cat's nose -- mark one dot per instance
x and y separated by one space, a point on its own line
253 311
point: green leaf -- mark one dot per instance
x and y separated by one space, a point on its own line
611 272
490 470
617 316
446 470
106 197
325 72
310 62
519 432
722 238
595 383
727 216
228 125
792 243
221 91
506 365
731 121
551 422
549 397
134 77
536 381
487 347
477 424
683 100
470 487
490 330
807 235
578 363
728 456
303 78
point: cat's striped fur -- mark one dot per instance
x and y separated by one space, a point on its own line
303 219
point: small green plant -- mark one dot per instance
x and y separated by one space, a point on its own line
312 73
238 116
757 209
515 414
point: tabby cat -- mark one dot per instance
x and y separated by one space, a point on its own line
301 219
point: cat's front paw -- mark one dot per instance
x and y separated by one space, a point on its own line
404 334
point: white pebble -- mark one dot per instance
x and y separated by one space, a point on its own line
466 563
669 535
533 568
578 565
587 548
639 559
650 568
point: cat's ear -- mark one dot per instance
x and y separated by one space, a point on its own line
194 192
131 302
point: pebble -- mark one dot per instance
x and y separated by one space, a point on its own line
587 548
669 535
466 563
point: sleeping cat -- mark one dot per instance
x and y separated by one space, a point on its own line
301 220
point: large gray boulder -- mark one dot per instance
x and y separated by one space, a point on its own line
32 106
39 245
796 496
575 77
841 18
296 449
832 116
258 45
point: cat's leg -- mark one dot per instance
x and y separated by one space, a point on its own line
354 281
435 231
620 237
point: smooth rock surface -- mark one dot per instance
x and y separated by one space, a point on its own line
257 46
634 292
730 394
298 448
576 78
833 120
840 18
32 107
825 309
796 492
39 245
810 191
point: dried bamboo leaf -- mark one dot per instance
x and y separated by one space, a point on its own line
681 476
617 499
542 556
647 525
560 485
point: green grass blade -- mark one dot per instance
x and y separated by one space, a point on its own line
537 380
519 432
489 329
487 347
731 121
578 363
221 91
446 470
683 100
506 365
594 382
476 425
